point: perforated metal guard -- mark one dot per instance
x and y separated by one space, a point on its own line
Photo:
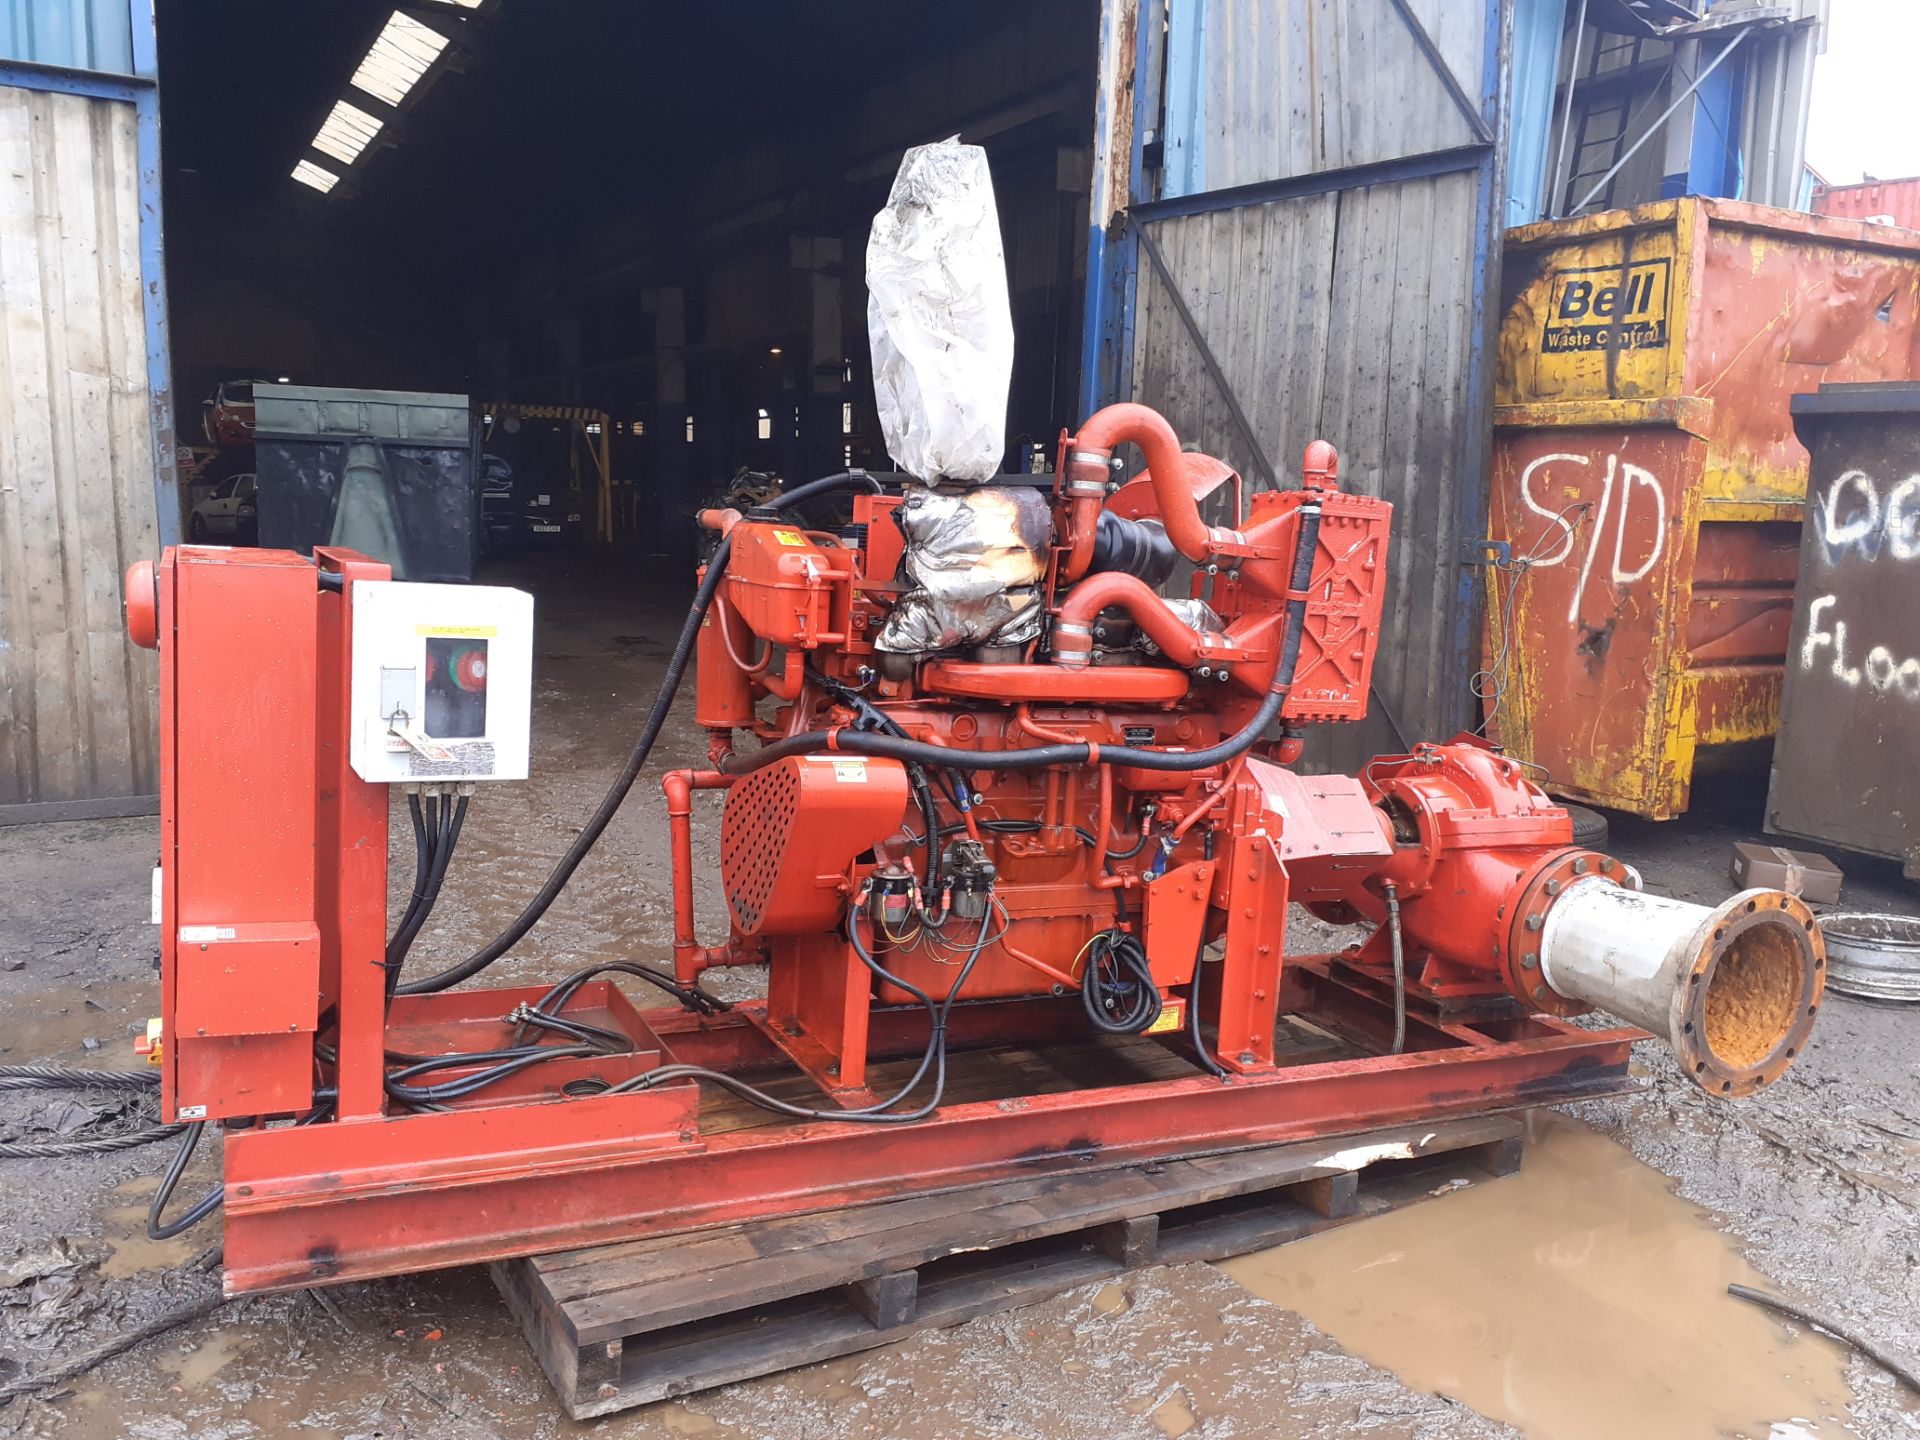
754 829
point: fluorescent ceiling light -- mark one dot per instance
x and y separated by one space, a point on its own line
346 132
308 173
403 52
464 4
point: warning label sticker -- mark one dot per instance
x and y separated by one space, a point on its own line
1172 1012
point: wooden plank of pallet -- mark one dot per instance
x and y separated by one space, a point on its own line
709 1309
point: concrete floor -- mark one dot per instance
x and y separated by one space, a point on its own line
1815 1182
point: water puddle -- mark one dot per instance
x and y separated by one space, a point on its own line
126 1231
1578 1300
192 1367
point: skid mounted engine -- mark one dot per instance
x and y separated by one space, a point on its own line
1009 809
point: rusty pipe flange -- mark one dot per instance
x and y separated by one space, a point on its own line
1752 992
1733 990
1520 954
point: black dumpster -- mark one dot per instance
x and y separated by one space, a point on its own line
1846 763
385 472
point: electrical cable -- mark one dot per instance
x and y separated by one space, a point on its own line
934 1057
504 1064
158 1229
440 848
422 866
1200 1051
616 794
1117 989
692 997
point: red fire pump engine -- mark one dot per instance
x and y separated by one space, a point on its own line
983 788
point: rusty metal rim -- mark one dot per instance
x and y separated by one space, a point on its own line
1873 967
1732 919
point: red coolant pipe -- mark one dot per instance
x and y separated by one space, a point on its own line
1089 457
1073 630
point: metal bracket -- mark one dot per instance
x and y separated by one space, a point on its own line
1486 552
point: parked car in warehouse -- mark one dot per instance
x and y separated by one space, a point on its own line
227 414
231 513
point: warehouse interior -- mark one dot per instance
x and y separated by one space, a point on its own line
657 212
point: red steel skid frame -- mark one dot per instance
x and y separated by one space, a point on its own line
520 1168
354 1199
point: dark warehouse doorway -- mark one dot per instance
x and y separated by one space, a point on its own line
649 217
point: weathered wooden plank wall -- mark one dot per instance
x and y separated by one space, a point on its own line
77 700
1348 315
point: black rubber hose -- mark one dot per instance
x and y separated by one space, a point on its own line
1035 757
1200 1051
158 1229
616 794
1305 546
930 817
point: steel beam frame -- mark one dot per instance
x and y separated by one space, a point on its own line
356 1199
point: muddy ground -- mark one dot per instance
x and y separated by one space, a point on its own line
1815 1183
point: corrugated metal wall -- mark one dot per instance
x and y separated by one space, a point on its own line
78 34
1351 315
77 701
1297 87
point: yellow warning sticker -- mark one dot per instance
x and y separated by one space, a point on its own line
1171 1014
790 537
458 632
850 772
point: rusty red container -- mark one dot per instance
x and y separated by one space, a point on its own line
1648 485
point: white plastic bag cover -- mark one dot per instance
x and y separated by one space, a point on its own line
938 318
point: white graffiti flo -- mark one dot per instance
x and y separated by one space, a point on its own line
1882 671
1622 479
1856 522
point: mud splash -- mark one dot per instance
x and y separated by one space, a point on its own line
1578 1300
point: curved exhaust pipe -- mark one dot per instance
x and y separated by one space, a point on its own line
1733 990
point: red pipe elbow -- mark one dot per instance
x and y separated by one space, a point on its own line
1073 630
1088 456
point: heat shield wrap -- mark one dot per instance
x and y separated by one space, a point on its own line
973 563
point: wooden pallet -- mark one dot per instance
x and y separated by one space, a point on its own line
621 1325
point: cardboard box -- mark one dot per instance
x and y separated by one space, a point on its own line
1813 878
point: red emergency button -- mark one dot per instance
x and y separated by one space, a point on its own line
470 669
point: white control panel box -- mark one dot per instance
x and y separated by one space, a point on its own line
442 685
